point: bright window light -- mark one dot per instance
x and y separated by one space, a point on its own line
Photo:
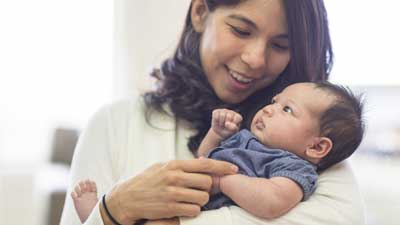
365 38
56 70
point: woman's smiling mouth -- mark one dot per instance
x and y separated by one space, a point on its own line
237 76
238 81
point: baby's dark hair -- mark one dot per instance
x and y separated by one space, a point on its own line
342 122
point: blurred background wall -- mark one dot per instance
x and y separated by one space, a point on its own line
61 60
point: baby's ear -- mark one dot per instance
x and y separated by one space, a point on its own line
320 148
198 14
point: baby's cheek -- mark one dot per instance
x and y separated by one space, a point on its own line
275 140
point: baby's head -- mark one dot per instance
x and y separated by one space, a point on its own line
320 122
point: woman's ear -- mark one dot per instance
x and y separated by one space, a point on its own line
319 149
198 14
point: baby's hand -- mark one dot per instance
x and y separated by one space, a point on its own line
225 122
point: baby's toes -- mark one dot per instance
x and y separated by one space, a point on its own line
92 186
77 191
83 186
74 195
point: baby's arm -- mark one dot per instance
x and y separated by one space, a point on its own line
224 123
262 197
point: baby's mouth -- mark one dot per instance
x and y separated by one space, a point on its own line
260 124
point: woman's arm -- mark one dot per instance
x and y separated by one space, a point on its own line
265 198
164 190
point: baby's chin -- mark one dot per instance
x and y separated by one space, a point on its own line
264 142
256 132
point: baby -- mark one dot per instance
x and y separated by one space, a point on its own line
308 127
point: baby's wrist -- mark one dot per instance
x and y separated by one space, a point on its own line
215 189
215 135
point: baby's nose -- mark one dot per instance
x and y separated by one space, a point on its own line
268 110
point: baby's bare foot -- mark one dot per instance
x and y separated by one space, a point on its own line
85 198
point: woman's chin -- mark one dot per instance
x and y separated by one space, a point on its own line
233 99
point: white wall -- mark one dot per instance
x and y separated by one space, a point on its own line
146 31
55 70
365 38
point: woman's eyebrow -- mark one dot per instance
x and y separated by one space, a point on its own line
253 25
243 19
282 36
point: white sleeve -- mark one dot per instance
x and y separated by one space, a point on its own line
336 201
92 159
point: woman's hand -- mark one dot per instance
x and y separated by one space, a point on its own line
166 190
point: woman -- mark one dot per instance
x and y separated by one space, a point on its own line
233 54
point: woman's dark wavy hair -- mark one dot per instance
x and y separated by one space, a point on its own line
182 85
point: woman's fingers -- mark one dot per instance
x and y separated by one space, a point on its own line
173 209
185 195
192 180
176 188
183 209
203 165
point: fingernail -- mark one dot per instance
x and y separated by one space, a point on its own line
235 168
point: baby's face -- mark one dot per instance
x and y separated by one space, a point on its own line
291 121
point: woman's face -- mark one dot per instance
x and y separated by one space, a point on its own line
243 48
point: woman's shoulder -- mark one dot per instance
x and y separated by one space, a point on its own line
124 105
338 181
340 173
116 115
132 111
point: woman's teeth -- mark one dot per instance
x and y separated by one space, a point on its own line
239 77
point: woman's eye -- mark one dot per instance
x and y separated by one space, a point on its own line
239 31
287 109
280 47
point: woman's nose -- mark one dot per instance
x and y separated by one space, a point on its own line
254 55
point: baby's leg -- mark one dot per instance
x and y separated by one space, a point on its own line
85 198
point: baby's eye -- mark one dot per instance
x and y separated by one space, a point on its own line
273 101
287 109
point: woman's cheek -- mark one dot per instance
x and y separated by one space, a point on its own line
278 63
